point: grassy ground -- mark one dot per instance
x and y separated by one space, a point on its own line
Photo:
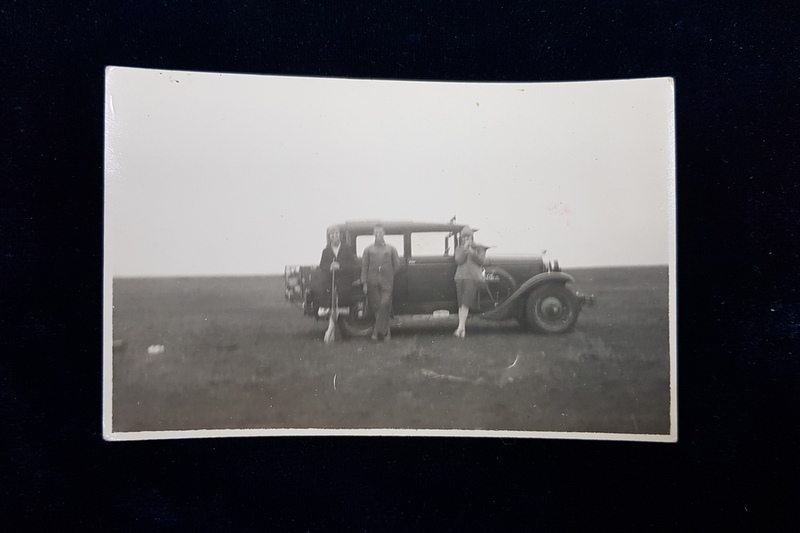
238 356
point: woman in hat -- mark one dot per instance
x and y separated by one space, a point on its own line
469 258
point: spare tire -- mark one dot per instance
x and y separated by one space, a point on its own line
359 321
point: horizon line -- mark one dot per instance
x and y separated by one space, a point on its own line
268 275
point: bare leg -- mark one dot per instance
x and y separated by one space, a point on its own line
463 313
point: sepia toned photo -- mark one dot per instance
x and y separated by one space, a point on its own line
309 256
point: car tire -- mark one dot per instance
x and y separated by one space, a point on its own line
359 322
552 308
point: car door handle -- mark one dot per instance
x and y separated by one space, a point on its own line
412 262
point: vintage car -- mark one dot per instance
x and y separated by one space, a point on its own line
529 290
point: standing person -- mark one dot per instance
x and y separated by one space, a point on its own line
378 265
469 258
338 257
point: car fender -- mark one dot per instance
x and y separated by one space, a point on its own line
506 309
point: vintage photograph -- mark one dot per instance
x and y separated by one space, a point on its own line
319 256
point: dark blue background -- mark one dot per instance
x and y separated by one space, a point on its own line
736 69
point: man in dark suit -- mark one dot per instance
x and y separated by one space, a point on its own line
338 257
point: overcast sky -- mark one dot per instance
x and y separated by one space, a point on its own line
224 174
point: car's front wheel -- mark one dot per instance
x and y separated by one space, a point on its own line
552 308
358 322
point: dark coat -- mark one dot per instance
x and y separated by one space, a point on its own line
348 267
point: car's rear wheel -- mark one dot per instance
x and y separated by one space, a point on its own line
552 308
359 322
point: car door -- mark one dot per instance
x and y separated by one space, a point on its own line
430 270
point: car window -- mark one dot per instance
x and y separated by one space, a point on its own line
432 244
362 241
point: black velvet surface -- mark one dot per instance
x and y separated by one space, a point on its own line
736 69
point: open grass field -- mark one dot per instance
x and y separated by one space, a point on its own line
238 356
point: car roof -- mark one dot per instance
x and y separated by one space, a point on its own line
392 226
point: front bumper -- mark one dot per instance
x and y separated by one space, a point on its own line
585 299
325 312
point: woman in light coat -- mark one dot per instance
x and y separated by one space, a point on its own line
469 276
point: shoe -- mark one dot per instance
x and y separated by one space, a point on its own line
459 333
374 337
388 336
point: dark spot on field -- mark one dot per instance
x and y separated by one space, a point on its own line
416 356
228 347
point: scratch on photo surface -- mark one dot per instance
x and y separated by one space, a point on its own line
334 382
516 359
436 375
